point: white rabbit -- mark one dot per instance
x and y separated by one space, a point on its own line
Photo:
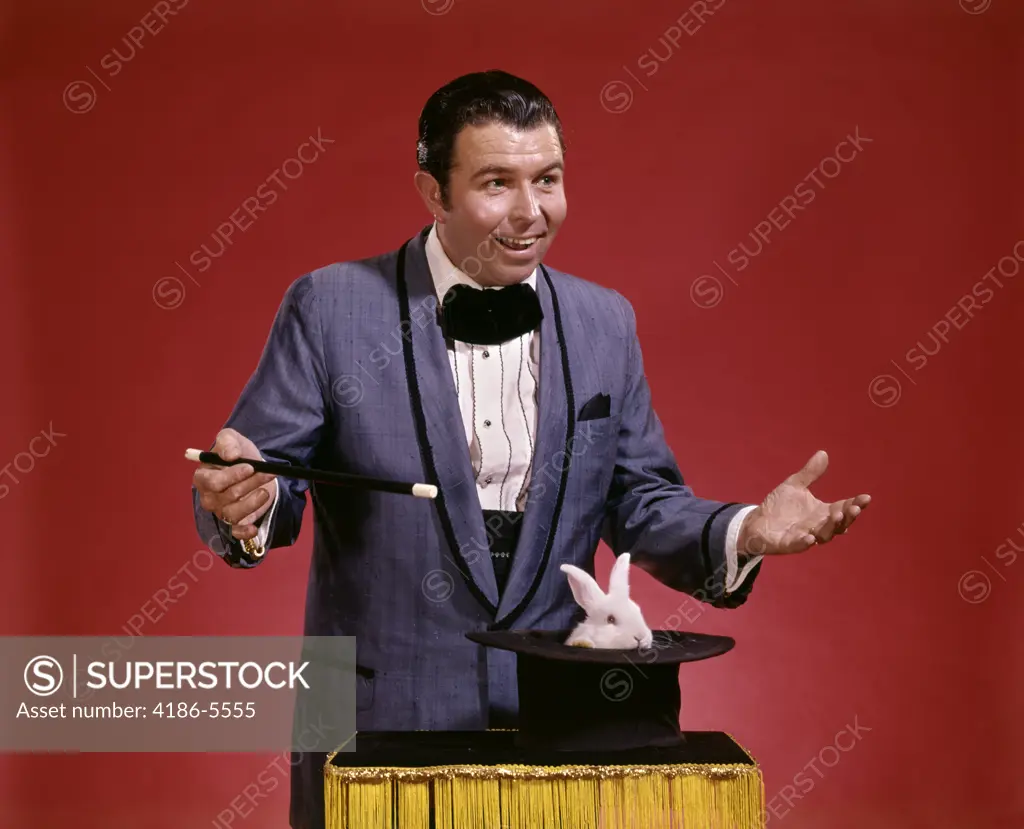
613 620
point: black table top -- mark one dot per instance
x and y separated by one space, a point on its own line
417 749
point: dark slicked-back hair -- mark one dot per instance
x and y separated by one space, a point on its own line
474 100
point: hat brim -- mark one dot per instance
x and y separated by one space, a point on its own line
668 647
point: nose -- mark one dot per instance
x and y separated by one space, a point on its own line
526 208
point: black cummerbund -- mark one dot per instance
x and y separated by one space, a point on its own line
503 527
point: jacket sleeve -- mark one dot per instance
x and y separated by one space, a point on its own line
284 409
651 513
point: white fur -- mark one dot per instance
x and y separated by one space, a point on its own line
627 631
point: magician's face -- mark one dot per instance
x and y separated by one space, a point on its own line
506 201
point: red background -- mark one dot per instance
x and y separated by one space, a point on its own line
97 206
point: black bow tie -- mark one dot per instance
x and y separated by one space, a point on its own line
491 316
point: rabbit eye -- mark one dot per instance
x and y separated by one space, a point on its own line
611 619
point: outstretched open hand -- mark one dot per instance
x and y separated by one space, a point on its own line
791 519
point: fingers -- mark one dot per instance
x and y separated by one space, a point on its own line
245 528
219 487
799 542
793 540
243 532
825 531
254 481
849 509
813 469
235 511
231 492
840 515
831 520
235 493
846 513
220 479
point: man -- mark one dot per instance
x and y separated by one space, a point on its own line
461 360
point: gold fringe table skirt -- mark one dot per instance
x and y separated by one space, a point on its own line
480 795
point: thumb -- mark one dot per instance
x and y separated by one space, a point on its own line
228 445
813 469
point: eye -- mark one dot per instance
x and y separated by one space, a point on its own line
548 181
611 619
496 182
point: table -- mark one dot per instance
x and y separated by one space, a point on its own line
482 780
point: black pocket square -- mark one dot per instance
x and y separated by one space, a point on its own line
600 405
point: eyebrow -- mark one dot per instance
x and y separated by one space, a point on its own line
497 169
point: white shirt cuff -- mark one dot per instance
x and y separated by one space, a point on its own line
732 536
263 534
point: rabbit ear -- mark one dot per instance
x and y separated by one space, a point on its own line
618 583
585 590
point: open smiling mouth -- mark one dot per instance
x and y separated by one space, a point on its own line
516 242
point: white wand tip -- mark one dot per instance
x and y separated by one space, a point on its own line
192 455
424 490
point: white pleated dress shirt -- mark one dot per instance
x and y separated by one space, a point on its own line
497 389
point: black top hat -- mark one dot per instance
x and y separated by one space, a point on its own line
589 699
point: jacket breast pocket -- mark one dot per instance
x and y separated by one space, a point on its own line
596 435
594 448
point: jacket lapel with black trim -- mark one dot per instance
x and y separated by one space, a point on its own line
550 468
441 434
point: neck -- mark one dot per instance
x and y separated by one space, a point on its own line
480 278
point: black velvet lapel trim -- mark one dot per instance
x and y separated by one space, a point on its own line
570 432
421 431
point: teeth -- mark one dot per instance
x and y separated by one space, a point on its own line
517 242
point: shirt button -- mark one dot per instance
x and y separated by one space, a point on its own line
486 354
487 423
487 480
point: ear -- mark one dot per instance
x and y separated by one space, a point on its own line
618 582
585 590
430 191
